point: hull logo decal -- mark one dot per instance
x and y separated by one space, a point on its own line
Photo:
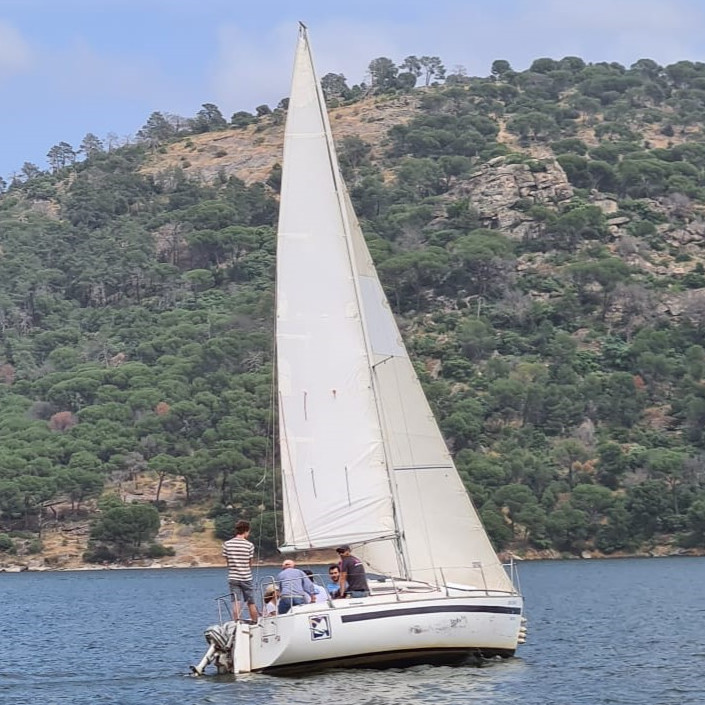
320 627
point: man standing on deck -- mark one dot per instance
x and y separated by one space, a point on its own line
353 571
238 552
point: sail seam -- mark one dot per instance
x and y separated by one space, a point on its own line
423 467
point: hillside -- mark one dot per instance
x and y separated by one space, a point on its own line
540 235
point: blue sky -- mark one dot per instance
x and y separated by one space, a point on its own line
68 67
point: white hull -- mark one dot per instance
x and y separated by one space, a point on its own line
382 630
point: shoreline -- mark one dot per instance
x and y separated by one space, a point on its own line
23 568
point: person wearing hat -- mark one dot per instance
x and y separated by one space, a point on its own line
270 601
352 571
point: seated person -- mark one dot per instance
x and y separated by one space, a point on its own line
333 586
270 602
293 585
321 594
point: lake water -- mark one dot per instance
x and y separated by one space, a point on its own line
600 632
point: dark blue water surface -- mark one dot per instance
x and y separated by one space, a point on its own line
600 632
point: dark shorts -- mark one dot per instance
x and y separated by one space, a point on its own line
242 588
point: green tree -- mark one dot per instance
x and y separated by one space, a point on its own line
567 528
79 485
156 130
432 69
533 125
209 119
616 533
91 145
696 520
499 532
476 338
594 501
126 528
242 118
667 465
334 86
61 155
516 498
649 507
383 74
412 65
500 68
612 463
607 273
569 454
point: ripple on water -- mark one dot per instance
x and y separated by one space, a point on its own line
600 632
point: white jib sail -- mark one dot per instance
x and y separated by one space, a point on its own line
443 539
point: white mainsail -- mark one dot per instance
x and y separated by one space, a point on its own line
335 483
363 459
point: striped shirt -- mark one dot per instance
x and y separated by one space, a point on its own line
239 552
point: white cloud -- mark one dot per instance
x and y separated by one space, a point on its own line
15 53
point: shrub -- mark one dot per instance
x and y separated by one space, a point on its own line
223 526
7 545
156 550
99 554
187 518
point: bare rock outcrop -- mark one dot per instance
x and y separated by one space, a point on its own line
498 187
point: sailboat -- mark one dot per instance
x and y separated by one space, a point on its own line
363 461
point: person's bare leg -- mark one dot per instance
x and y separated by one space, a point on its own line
253 612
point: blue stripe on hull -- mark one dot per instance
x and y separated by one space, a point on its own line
402 611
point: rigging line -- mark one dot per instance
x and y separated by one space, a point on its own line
400 547
269 455
275 425
272 438
419 493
